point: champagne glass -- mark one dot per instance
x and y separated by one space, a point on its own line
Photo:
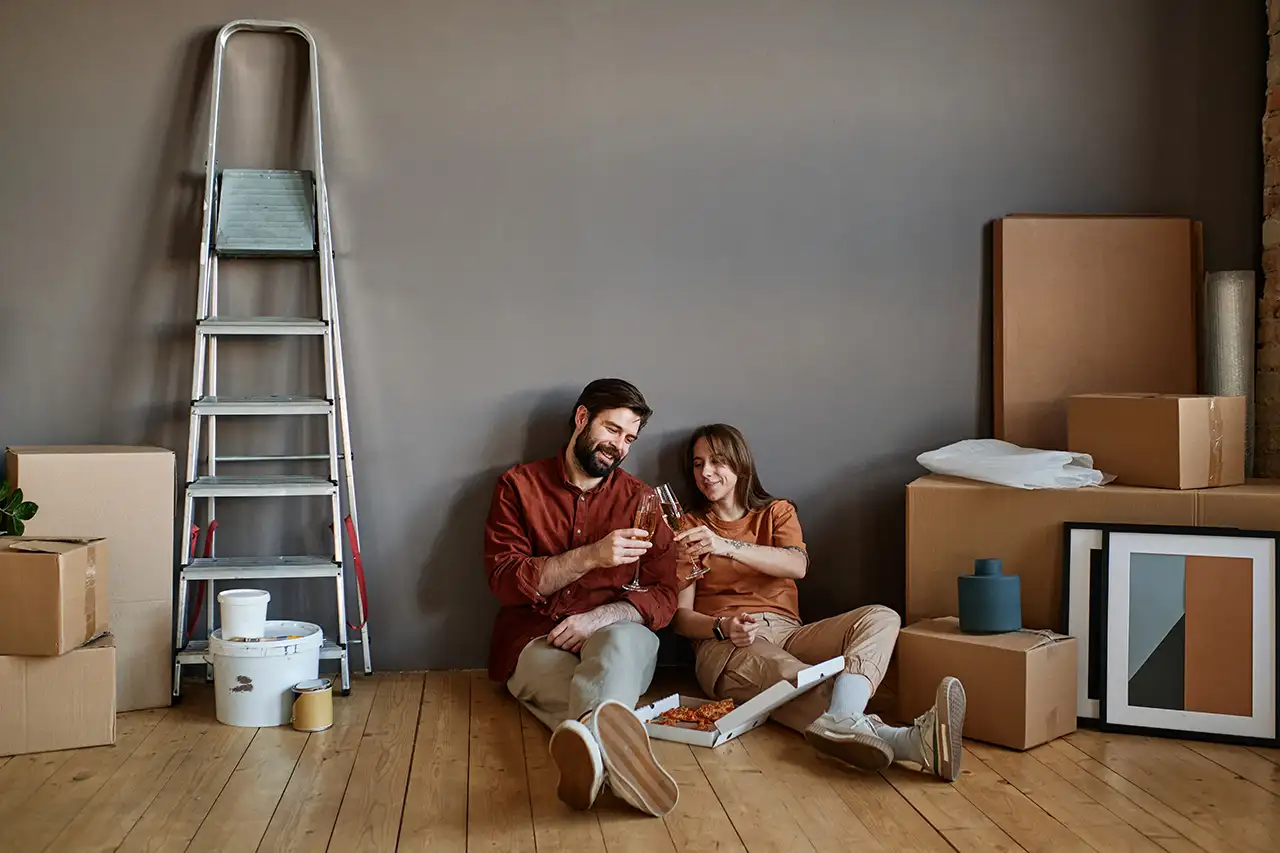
674 515
647 520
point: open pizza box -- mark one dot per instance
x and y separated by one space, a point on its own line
742 718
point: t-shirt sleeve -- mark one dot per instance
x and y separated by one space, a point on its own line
786 526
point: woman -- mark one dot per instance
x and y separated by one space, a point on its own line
743 618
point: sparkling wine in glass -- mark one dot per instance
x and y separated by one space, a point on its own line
674 515
647 520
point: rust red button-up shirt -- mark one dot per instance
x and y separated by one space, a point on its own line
536 514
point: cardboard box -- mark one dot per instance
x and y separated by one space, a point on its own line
1086 304
64 702
126 494
53 594
741 719
1020 687
953 521
1168 441
1255 505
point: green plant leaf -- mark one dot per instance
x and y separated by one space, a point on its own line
5 488
14 500
24 511
18 527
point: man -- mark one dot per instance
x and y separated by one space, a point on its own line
570 642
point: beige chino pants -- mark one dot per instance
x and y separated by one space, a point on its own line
617 662
864 637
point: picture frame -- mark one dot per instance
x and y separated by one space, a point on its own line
1083 564
1189 640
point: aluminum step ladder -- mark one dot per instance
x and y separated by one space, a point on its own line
257 213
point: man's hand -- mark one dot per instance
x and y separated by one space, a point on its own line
574 631
741 630
620 548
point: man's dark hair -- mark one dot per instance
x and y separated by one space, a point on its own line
605 394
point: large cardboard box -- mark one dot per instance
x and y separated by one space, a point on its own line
1086 304
1168 441
1020 687
126 494
1255 505
63 702
53 594
953 521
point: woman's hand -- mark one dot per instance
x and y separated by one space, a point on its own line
700 541
741 630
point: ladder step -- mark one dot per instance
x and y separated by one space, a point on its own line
266 213
259 568
261 326
197 650
267 486
268 405
294 457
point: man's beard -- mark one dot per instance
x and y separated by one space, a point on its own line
589 462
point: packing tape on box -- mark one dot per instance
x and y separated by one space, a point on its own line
1215 443
90 594
1047 638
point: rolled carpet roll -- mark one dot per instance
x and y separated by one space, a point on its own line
1229 317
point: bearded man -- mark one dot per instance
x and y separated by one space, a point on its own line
574 637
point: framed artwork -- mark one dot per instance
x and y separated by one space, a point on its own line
1083 563
1189 644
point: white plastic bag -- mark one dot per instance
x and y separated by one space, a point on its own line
993 461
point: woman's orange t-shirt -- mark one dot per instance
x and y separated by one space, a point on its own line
729 587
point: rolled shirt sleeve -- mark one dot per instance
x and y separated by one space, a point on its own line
512 570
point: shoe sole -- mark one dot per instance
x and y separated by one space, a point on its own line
578 771
634 773
949 746
864 752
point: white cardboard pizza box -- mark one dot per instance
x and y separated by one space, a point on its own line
741 719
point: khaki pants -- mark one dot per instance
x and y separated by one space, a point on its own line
616 663
783 647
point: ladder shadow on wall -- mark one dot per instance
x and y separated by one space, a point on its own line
154 319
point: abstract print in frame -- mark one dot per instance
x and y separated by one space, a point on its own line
1189 637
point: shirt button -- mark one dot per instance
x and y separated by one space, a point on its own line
579 530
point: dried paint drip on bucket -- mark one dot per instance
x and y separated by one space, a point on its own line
313 705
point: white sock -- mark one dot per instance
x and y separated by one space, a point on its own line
905 743
849 696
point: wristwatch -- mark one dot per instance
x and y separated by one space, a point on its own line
715 629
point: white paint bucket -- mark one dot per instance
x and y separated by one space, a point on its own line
253 679
243 612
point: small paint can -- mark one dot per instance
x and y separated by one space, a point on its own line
313 705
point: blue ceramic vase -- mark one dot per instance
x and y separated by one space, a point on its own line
990 601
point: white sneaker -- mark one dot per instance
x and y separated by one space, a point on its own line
940 730
634 773
577 757
852 740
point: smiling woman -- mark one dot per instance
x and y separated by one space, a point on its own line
743 616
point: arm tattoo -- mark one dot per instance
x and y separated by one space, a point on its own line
798 550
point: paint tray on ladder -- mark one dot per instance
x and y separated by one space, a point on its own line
743 718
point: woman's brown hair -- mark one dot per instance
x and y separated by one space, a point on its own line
730 445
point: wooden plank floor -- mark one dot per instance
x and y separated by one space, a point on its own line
448 763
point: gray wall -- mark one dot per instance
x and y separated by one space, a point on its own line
768 213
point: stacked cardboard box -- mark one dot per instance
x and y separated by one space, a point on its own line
1095 353
126 494
57 659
